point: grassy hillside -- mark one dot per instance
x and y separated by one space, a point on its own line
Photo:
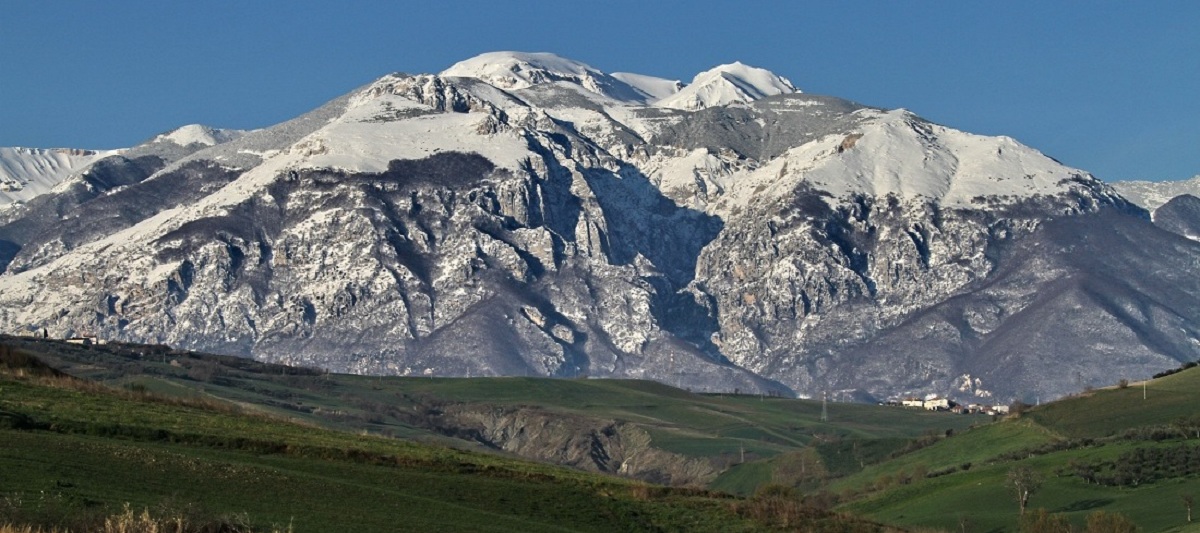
735 443
1108 450
74 452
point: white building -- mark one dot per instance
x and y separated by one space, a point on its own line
937 404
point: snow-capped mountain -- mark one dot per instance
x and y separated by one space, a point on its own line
727 84
528 214
28 172
1152 194
519 70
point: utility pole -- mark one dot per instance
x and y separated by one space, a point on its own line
1144 382
825 406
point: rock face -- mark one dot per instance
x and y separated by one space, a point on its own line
527 214
606 446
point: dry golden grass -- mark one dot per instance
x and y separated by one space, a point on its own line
130 522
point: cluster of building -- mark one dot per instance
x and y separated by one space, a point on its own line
937 403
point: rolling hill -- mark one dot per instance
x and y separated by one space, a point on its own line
77 452
1133 450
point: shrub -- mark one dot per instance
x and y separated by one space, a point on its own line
1041 521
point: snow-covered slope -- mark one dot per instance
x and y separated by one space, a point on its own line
1152 194
28 172
897 154
726 84
198 134
519 215
520 70
655 88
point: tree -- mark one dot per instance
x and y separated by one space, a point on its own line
1018 408
1102 522
1187 502
1024 482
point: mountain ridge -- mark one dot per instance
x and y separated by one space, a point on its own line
444 225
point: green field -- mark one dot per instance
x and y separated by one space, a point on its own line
961 483
243 429
722 431
74 452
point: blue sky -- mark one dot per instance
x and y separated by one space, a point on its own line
1110 87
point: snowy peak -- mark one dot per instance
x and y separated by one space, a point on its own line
722 85
28 172
513 71
727 84
198 134
519 70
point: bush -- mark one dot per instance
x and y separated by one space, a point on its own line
1041 521
1102 522
779 505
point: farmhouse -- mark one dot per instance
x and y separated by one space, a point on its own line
937 404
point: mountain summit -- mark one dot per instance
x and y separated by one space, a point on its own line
521 70
727 84
722 85
526 214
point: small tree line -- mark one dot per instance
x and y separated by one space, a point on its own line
1140 466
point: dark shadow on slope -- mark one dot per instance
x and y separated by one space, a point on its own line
562 207
642 221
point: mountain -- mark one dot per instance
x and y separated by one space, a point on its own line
198 134
26 173
29 172
1180 215
518 70
727 84
1152 194
528 214
1173 205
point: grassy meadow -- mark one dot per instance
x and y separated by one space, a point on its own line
752 440
962 483
77 453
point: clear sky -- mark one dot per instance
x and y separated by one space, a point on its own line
1110 87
